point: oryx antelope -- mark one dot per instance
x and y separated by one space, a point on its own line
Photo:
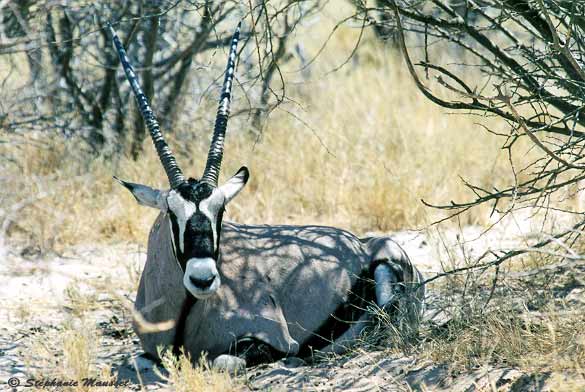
245 294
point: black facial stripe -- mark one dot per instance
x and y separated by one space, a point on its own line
177 249
218 227
198 237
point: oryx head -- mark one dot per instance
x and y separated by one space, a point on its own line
194 207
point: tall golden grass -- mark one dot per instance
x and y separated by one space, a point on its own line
358 149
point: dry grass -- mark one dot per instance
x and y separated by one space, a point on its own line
374 148
184 377
68 345
553 341
80 302
64 353
69 355
531 322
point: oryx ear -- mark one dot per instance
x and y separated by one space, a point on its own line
235 184
146 195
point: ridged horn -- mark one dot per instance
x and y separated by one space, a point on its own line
165 154
214 157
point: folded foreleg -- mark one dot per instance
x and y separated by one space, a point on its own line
399 289
388 287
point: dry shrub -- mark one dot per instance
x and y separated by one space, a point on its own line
530 320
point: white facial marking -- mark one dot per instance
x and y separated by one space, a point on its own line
183 210
201 269
210 207
234 185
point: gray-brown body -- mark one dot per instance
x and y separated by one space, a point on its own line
279 285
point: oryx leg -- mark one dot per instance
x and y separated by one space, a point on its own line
388 286
399 289
343 343
394 274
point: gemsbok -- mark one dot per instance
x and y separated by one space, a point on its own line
246 294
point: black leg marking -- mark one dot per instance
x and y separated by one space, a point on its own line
361 293
179 340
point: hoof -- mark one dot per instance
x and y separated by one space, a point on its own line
230 364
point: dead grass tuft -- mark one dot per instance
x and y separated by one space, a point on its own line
184 377
67 353
530 320
79 302
79 346
553 341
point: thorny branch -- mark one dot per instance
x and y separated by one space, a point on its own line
166 40
521 61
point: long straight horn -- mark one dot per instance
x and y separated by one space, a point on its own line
165 154
211 173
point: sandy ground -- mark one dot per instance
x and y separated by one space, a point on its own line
37 293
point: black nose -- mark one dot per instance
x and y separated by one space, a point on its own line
202 283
